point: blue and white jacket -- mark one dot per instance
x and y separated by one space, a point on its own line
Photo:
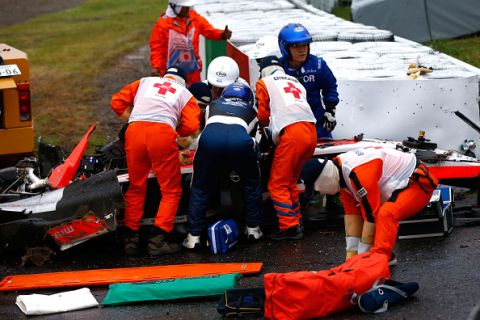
231 111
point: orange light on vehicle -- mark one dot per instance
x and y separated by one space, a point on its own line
24 102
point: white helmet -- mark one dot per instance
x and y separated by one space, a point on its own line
222 72
183 3
265 46
328 182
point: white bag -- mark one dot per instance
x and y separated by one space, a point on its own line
37 304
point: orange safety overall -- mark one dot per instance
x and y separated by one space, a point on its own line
149 146
296 142
402 204
189 29
152 146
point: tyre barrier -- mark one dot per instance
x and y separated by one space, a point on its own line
324 36
239 6
362 46
356 25
436 63
427 60
387 50
346 55
365 35
449 74
240 39
366 65
321 47
352 50
410 56
248 15
376 74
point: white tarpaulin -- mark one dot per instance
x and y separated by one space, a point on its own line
420 20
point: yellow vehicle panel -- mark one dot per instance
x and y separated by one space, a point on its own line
16 125
16 140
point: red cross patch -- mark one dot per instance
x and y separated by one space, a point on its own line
165 87
293 90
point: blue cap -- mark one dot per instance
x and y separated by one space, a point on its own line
269 61
177 71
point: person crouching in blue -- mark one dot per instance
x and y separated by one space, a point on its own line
312 72
225 144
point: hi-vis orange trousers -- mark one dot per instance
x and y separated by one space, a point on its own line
409 202
152 146
296 146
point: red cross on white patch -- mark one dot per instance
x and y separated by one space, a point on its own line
293 90
165 87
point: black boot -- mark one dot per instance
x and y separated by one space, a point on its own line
130 242
157 244
292 233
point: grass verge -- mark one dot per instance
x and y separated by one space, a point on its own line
69 50
466 49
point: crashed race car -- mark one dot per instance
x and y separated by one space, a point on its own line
82 197
57 202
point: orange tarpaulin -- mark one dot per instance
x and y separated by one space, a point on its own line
136 274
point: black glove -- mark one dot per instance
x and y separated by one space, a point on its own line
227 34
329 121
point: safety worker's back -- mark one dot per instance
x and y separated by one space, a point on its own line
159 100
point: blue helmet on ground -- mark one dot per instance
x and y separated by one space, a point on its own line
292 33
238 91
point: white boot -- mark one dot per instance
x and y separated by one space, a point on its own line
253 234
191 242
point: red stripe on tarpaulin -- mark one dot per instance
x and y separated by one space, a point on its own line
241 59
120 275
454 172
325 142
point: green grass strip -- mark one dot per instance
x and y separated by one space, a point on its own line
69 50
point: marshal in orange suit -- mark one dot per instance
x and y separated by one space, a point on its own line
158 110
378 188
283 107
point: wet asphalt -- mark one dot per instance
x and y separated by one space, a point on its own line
446 268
